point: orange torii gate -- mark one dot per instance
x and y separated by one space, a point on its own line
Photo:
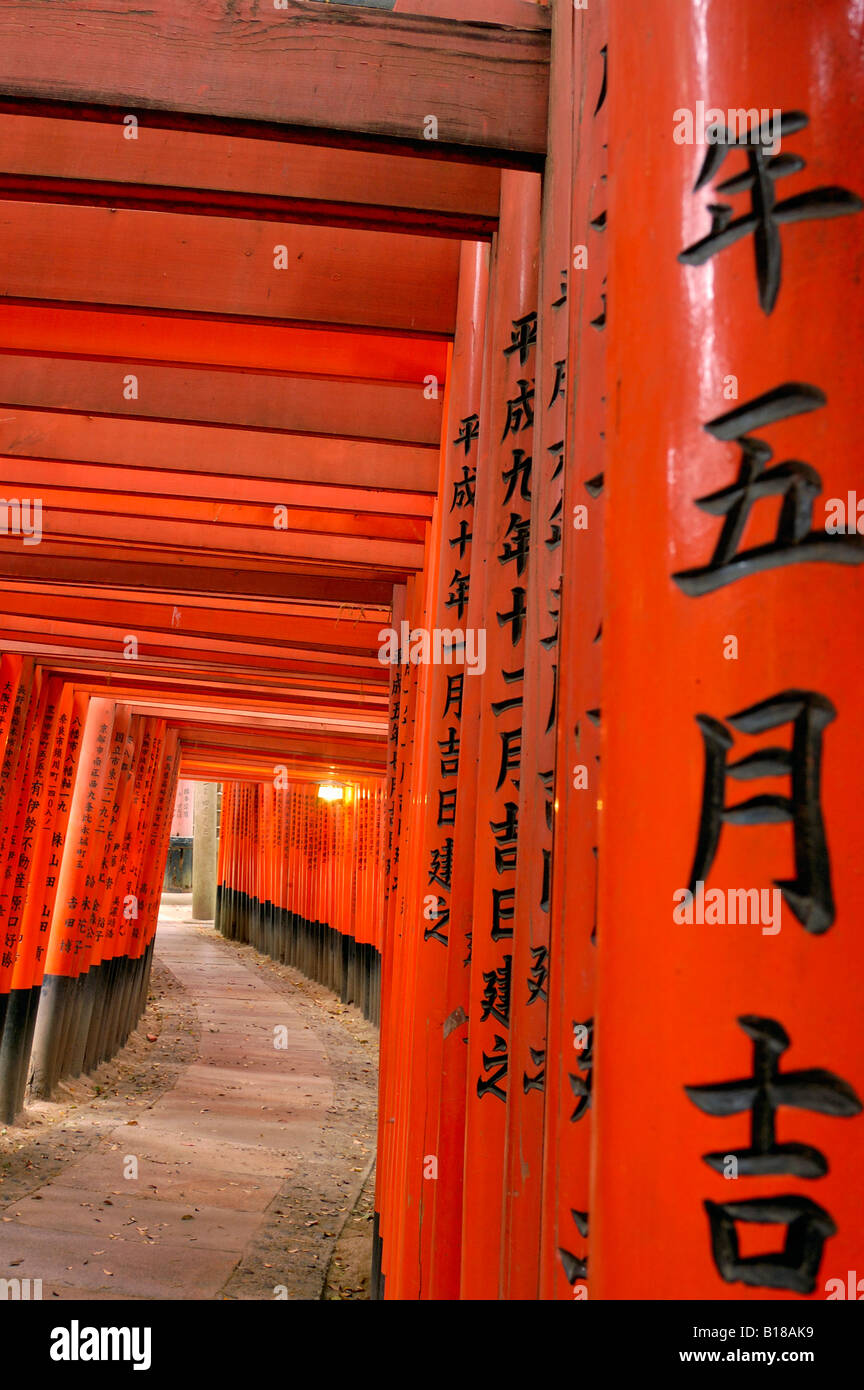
300 877
650 1014
535 402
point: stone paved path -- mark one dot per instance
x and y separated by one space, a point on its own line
212 1153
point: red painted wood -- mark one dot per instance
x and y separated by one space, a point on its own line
177 171
545 596
214 265
491 1069
211 341
439 1130
573 919
687 986
335 69
213 450
300 405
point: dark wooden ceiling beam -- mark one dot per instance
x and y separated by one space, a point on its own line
342 72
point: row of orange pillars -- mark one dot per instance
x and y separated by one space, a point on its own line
86 795
87 790
585 1092
580 1092
301 879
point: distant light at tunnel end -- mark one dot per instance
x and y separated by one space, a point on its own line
329 791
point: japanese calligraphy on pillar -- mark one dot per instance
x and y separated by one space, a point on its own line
504 518
533 962
577 796
448 683
512 549
797 539
730 884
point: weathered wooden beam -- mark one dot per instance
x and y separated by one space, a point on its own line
338 70
524 14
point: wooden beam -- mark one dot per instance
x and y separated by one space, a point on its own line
110 506
209 449
25 476
209 538
228 719
391 411
152 260
276 625
339 70
184 171
523 14
65 642
248 693
185 645
217 766
199 736
311 625
81 562
179 338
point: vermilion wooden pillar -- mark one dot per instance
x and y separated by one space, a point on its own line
529 994
441 1131
436 685
112 963
33 729
447 1212
411 981
152 871
18 952
62 1001
24 727
503 517
125 906
50 832
231 793
733 710
103 819
16 677
11 667
395 798
565 1215
153 744
399 1228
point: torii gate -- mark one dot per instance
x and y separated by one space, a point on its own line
445 292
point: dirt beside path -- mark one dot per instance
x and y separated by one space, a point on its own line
221 1153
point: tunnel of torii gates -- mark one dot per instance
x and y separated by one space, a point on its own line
433 316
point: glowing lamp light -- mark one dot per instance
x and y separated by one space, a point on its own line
328 791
